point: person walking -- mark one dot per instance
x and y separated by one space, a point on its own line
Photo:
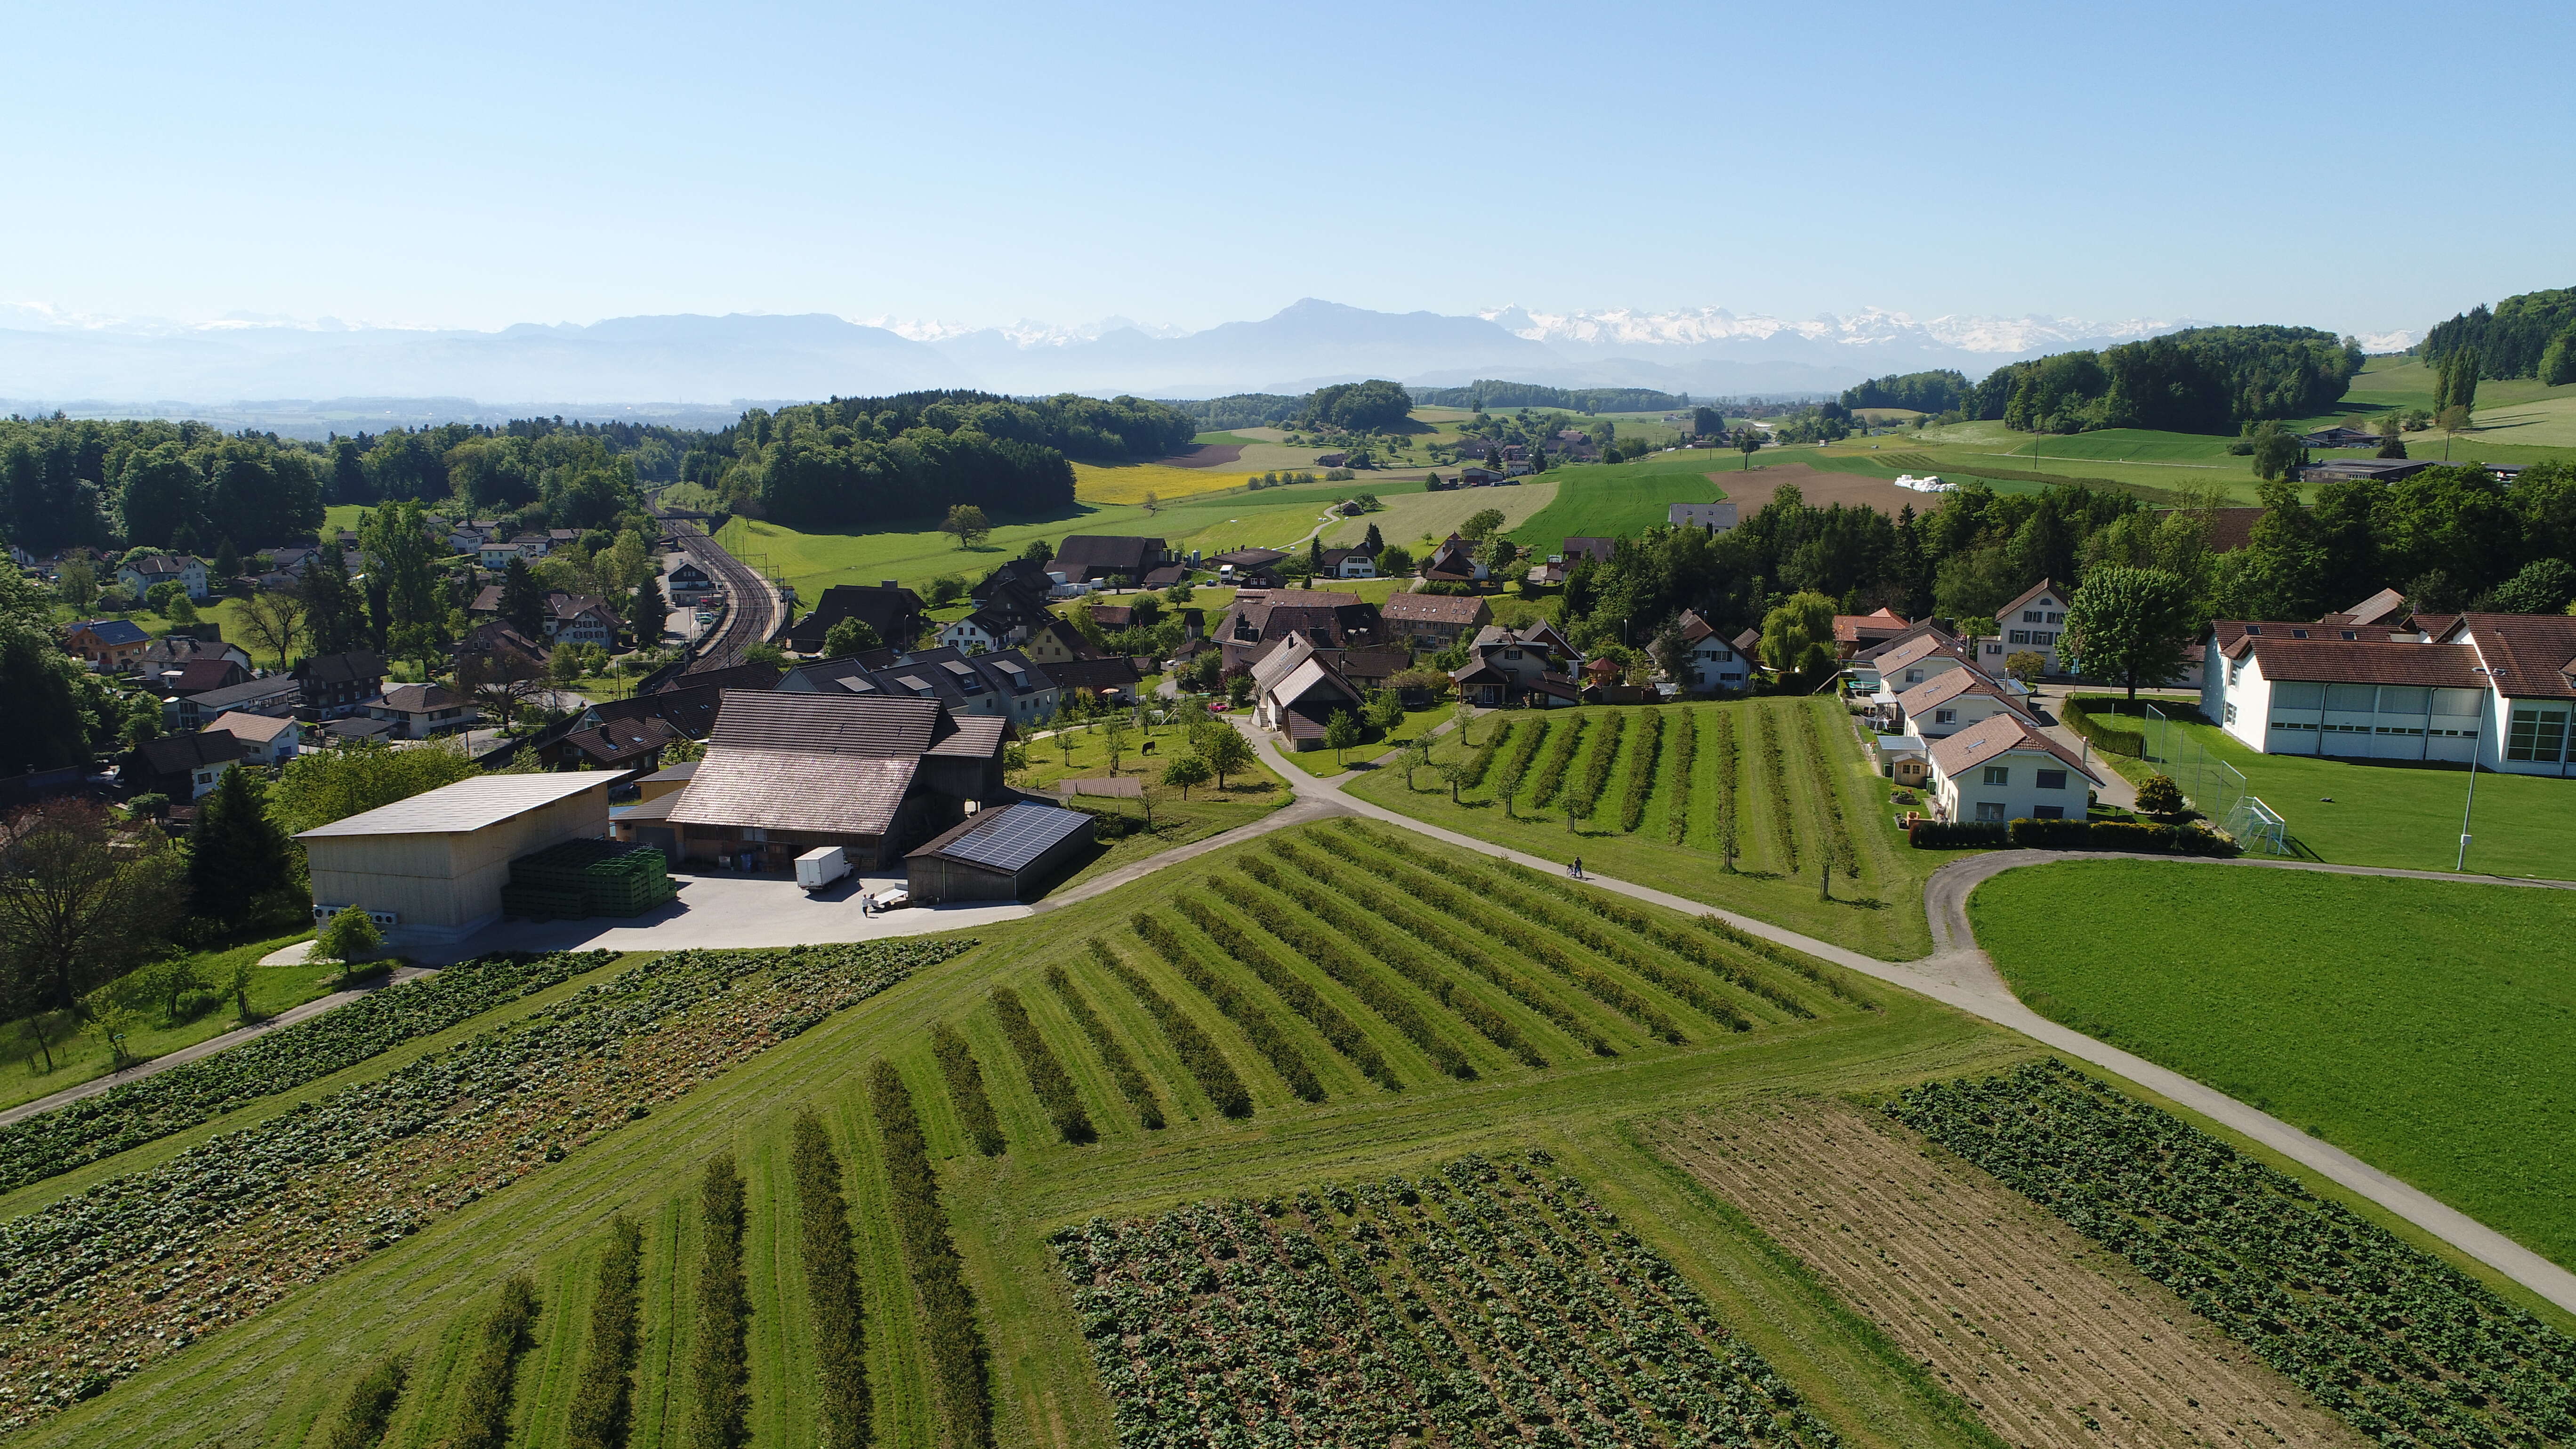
1577 869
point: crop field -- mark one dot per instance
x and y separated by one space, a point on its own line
1489 1301
1128 483
1412 515
2401 1345
2435 1045
2052 1340
1744 805
1609 500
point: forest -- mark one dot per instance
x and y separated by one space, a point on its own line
1489 395
2532 334
862 460
1940 391
2200 380
2448 538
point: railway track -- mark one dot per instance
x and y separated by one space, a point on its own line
751 610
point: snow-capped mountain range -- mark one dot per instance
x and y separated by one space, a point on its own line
625 366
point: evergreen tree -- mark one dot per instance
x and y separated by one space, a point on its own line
238 859
523 599
1375 543
646 614
227 561
333 612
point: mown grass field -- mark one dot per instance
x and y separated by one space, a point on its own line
2379 812
1081 751
2435 1043
82 1055
1411 515
1775 870
1608 500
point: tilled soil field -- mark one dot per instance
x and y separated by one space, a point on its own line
2052 1340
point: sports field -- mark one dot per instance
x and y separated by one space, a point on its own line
2380 812
1779 787
2427 1027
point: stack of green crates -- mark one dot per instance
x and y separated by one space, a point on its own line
587 878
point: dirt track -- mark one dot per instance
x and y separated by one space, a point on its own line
2053 1341
1750 490
1205 455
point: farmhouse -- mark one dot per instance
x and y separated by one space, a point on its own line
1349 563
1433 621
1523 666
2005 770
431 868
997 855
1296 693
1326 617
1714 517
1092 557
1454 562
892 610
872 773
1713 662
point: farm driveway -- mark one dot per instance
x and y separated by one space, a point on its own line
1958 974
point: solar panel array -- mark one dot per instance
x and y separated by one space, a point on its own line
1017 836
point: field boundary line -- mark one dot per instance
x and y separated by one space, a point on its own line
1960 975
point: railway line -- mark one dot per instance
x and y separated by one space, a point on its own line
752 611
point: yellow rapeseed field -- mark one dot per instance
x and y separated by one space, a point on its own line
1130 482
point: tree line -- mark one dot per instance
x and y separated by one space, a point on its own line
1487 394
2200 380
2530 334
1940 391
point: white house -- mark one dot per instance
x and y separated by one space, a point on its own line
2032 622
1715 517
496 553
2005 770
1714 663
266 740
2497 687
1349 563
1954 700
1926 656
418 711
140 575
980 632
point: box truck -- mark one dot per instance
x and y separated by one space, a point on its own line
820 867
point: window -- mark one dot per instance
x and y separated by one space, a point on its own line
2231 714
1998 775
2021 636
2048 812
2052 779
1990 810
2235 670
2033 616
2536 733
1914 676
2057 618
1945 716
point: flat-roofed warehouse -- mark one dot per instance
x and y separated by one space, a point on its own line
436 862
873 774
997 855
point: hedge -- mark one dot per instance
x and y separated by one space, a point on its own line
953 1341
1199 1052
1131 1080
483 1411
1284 1055
603 1399
1047 1076
1645 752
720 1355
966 1089
1563 739
1775 783
1722 744
1339 1031
2111 739
1677 802
2070 835
1373 990
1951 834
831 1288
370 1405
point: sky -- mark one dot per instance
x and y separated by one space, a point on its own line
2361 167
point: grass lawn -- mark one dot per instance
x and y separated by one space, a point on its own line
1081 751
1323 764
82 1056
1610 500
2384 812
1880 913
2438 1044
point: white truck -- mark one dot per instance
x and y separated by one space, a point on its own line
820 867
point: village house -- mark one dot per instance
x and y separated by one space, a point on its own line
268 694
173 650
1349 563
1714 517
1297 694
1327 618
267 740
420 711
688 584
184 767
579 619
1096 558
336 686
1454 562
1507 667
1433 621
1955 700
497 553
2003 770
139 575
108 646
893 611
2033 622
1712 664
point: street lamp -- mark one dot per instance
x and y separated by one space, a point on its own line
2462 864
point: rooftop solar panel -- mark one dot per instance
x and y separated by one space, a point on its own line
1017 836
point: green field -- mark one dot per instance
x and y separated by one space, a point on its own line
2379 812
2439 1043
1774 876
1611 500
83 1055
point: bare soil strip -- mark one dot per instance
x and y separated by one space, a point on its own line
2052 1341
1205 455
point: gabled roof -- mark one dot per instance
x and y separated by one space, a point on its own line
1009 839
1459 609
260 727
2387 607
1948 685
178 754
112 631
1880 650
1999 735
1086 553
2534 655
1877 626
1312 677
200 675
1596 549
858 725
414 698
2044 586
2341 661
1693 627
273 691
347 668
1914 651
1280 659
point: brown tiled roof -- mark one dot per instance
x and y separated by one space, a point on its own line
1459 609
2364 661
2534 654
2387 607
838 724
1884 647
1996 735
1948 685
2044 586
1872 627
200 675
1916 649
622 740
411 697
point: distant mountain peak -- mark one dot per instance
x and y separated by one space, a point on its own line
1869 327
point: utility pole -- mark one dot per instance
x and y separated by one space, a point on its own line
2475 746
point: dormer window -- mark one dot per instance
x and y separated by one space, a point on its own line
2302 634
2254 629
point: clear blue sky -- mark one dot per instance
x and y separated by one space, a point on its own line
2357 166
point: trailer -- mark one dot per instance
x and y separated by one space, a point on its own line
820 867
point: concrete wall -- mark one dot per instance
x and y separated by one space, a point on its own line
444 886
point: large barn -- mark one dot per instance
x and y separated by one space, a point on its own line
431 868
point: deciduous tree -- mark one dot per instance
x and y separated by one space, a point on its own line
2131 625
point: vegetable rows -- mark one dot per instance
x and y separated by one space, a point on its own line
1646 752
1200 1055
1131 1080
1047 1076
952 1339
1317 946
94 1287
197 1092
1490 1302
2406 1348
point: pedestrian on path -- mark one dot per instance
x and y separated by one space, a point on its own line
1576 870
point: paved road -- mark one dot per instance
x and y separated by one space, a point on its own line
211 1045
1960 975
